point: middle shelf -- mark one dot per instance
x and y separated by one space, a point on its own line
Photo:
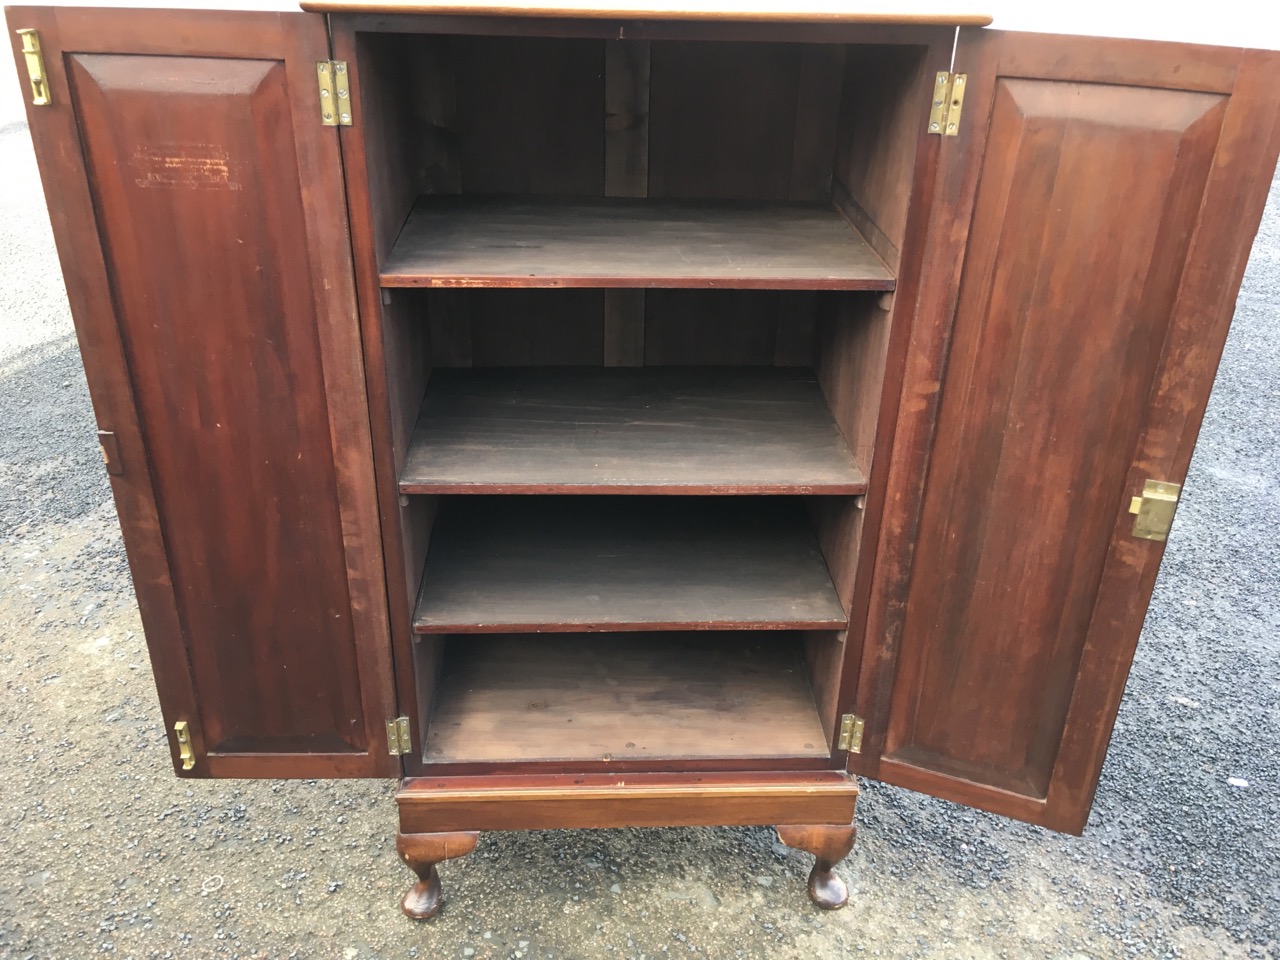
575 564
466 241
628 430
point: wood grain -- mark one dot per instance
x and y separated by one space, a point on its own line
1084 138
623 563
664 430
624 696
498 242
277 678
552 801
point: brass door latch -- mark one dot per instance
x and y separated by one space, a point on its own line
185 751
1154 510
35 68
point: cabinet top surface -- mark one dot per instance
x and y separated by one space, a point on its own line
1233 23
920 12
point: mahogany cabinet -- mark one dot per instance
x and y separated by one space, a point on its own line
606 417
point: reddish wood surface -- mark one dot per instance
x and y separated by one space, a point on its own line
557 801
829 845
422 852
252 539
1058 398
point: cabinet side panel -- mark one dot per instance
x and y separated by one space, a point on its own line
1087 202
196 181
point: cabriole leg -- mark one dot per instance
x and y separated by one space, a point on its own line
422 851
829 844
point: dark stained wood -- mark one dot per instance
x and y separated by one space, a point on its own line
1048 397
556 801
422 852
228 568
530 115
712 106
624 328
823 655
535 327
885 105
382 171
626 174
626 120
656 430
829 844
623 563
723 327
817 113
502 242
654 29
623 696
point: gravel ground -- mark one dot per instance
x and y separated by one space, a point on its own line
105 852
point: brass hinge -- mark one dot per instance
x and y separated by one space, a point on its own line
335 93
185 751
851 728
35 68
1154 510
948 100
398 741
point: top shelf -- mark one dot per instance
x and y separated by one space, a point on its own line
531 242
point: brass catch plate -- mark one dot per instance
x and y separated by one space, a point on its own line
1154 510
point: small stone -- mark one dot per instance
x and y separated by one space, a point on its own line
616 888
468 951
765 881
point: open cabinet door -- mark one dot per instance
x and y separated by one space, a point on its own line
1092 222
197 203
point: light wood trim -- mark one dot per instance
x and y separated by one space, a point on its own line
814 11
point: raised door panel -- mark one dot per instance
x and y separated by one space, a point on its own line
246 473
1104 239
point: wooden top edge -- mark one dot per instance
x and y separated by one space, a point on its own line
812 11
611 784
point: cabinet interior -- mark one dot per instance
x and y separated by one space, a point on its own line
636 303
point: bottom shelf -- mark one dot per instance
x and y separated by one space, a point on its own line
623 696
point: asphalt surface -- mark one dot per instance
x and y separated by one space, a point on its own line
104 852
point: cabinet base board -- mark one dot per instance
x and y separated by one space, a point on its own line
441 817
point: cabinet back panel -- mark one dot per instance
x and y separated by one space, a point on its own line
1056 344
504 328
530 115
222 348
581 117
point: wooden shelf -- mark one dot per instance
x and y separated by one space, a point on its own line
499 242
648 430
528 564
650 696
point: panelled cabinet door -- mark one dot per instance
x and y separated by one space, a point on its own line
198 208
1092 223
